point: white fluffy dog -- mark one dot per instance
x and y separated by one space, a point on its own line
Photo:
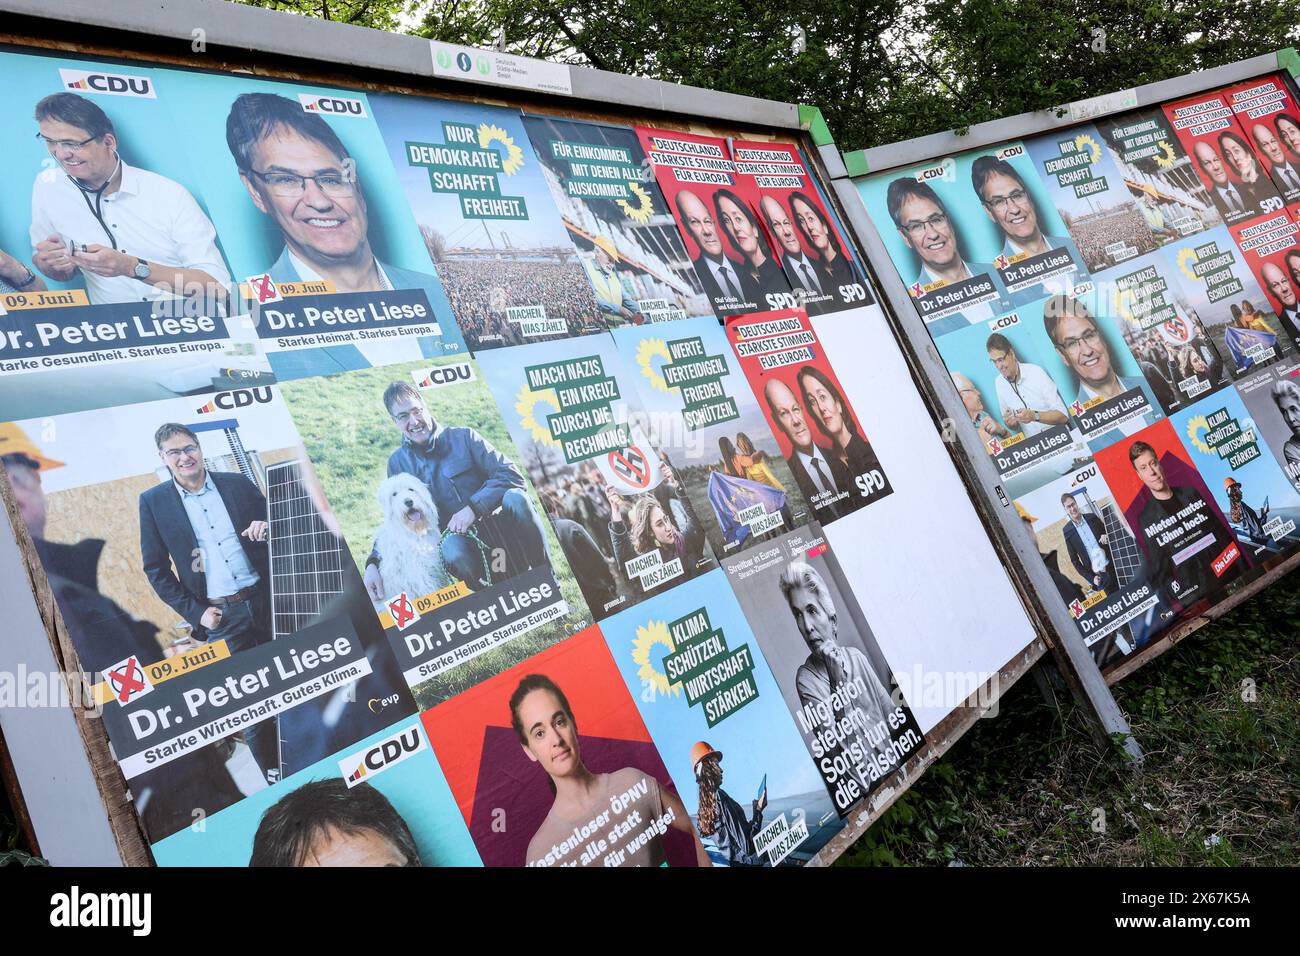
408 539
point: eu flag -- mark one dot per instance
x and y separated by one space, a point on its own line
731 496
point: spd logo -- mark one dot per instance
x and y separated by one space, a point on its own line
389 752
109 84
239 398
331 105
440 375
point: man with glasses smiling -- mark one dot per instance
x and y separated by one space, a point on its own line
132 234
298 172
927 229
1007 201
203 544
1078 339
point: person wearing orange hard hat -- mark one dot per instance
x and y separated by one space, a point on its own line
616 305
722 818
1245 521
102 632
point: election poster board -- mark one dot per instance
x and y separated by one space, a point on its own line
485 214
615 214
1181 305
78 328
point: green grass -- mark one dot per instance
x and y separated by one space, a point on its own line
1219 786
349 436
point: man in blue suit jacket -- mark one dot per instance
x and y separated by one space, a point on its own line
203 543
298 172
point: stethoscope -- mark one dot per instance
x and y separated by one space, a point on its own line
96 208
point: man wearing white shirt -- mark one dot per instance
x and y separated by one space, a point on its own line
1027 395
824 480
132 234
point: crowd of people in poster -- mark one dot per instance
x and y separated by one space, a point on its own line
389 457
1116 304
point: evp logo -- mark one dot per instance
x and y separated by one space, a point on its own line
331 105
109 84
238 398
440 375
389 752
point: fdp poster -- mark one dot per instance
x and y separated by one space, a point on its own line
487 221
717 214
617 219
620 507
824 444
702 414
114 288
812 251
330 267
458 560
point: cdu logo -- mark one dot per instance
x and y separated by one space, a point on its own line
440 375
331 105
392 750
238 398
109 84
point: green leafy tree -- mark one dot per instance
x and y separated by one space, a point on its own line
881 70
